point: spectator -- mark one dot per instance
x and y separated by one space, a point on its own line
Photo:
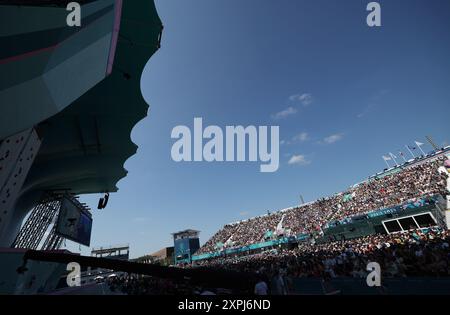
261 287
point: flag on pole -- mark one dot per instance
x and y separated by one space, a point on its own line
387 158
393 157
410 149
402 155
420 144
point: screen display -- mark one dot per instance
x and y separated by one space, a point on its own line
182 248
74 223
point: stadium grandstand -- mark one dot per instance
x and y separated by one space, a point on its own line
399 219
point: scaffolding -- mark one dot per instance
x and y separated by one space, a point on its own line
39 230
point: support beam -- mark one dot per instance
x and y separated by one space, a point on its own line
17 154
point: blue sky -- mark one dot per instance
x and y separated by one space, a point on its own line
342 93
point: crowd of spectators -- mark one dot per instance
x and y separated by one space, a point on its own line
411 183
415 253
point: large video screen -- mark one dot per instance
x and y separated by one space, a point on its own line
182 248
74 223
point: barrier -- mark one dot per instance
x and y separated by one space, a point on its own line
266 244
384 211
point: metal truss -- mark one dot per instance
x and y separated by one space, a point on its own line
43 218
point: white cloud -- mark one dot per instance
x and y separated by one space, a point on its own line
285 113
305 99
301 137
333 138
244 213
299 160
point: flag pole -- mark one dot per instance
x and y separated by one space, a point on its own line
395 161
420 148
403 157
386 163
407 147
393 158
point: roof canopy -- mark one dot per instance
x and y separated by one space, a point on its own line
86 145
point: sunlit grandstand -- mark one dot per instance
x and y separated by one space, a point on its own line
410 197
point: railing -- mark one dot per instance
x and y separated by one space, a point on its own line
384 211
237 250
